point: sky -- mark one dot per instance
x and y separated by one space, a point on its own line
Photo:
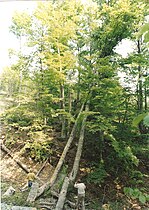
8 40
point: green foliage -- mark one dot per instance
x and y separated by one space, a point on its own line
145 32
20 116
20 23
61 177
111 32
9 81
136 178
146 120
123 151
98 174
18 199
141 117
38 150
135 193
66 114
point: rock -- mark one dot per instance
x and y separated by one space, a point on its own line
9 207
9 192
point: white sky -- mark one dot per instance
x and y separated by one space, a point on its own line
8 40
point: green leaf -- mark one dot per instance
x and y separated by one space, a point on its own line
147 197
138 119
142 198
146 121
144 30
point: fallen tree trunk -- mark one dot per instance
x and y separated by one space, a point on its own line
5 149
75 168
16 149
24 167
42 167
49 184
46 207
62 196
72 176
33 192
56 195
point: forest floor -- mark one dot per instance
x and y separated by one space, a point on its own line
107 196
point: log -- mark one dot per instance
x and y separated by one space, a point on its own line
16 149
49 184
24 167
42 167
56 195
33 192
62 195
75 168
45 207
47 203
5 149
10 191
71 204
72 176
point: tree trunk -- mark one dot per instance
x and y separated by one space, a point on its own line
74 171
140 86
33 192
70 109
62 96
145 97
140 92
63 120
49 184
62 195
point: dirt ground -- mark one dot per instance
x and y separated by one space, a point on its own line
11 171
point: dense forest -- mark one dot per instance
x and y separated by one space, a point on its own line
74 101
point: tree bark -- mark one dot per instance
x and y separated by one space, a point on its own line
140 92
62 96
145 97
63 120
49 184
33 192
74 171
62 195
70 110
140 86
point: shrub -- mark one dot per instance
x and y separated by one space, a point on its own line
98 174
39 151
19 116
135 193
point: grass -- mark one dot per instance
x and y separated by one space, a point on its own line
17 199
